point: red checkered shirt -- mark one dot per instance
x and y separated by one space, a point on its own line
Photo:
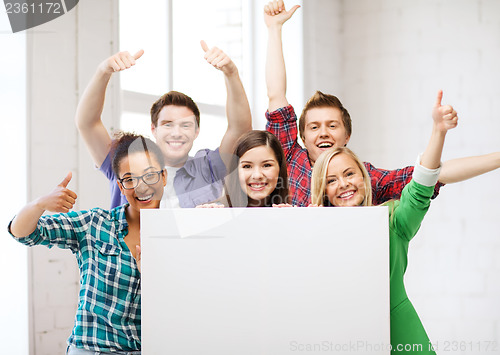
386 184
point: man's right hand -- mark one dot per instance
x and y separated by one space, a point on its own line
120 61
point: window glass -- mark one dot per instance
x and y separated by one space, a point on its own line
219 23
139 123
212 129
143 25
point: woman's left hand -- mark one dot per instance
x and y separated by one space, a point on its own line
281 205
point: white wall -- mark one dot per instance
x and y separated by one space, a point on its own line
388 58
14 295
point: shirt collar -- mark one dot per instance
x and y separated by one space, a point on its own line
189 167
118 214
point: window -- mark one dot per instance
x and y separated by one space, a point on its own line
170 34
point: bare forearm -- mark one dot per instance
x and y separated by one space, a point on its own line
88 117
26 220
90 107
431 158
461 169
239 117
275 69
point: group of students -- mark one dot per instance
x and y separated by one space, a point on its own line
251 168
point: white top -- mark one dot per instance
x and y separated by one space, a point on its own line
170 199
425 176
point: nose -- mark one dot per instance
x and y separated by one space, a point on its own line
323 132
257 173
343 183
175 131
141 186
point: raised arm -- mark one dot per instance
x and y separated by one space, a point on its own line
89 110
239 117
61 199
415 199
461 169
445 118
275 15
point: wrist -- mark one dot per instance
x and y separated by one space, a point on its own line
439 130
231 73
104 72
275 28
39 204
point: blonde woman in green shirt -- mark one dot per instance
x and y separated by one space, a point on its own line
340 179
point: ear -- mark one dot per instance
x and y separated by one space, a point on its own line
153 130
197 132
120 187
347 140
164 177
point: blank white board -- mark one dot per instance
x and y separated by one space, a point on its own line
265 281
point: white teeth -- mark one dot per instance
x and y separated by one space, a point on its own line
347 194
145 198
257 186
175 144
325 145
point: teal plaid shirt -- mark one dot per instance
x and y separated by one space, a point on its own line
109 308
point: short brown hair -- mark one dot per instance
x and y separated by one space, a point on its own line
319 100
174 98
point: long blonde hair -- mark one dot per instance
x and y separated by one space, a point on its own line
318 180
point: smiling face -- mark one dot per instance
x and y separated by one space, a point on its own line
323 130
175 133
345 185
143 195
258 172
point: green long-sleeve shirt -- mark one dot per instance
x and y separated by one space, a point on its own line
407 332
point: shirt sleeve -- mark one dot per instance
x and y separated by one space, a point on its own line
389 184
61 230
283 124
217 164
409 213
107 169
211 159
117 198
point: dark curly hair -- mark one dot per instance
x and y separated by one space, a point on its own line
125 143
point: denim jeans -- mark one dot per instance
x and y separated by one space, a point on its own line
72 350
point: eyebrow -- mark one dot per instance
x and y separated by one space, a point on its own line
180 120
351 167
329 121
264 161
145 170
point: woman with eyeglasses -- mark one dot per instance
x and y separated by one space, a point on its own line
106 246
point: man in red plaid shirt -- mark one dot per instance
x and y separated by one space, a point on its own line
325 123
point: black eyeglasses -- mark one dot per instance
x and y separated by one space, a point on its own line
131 182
